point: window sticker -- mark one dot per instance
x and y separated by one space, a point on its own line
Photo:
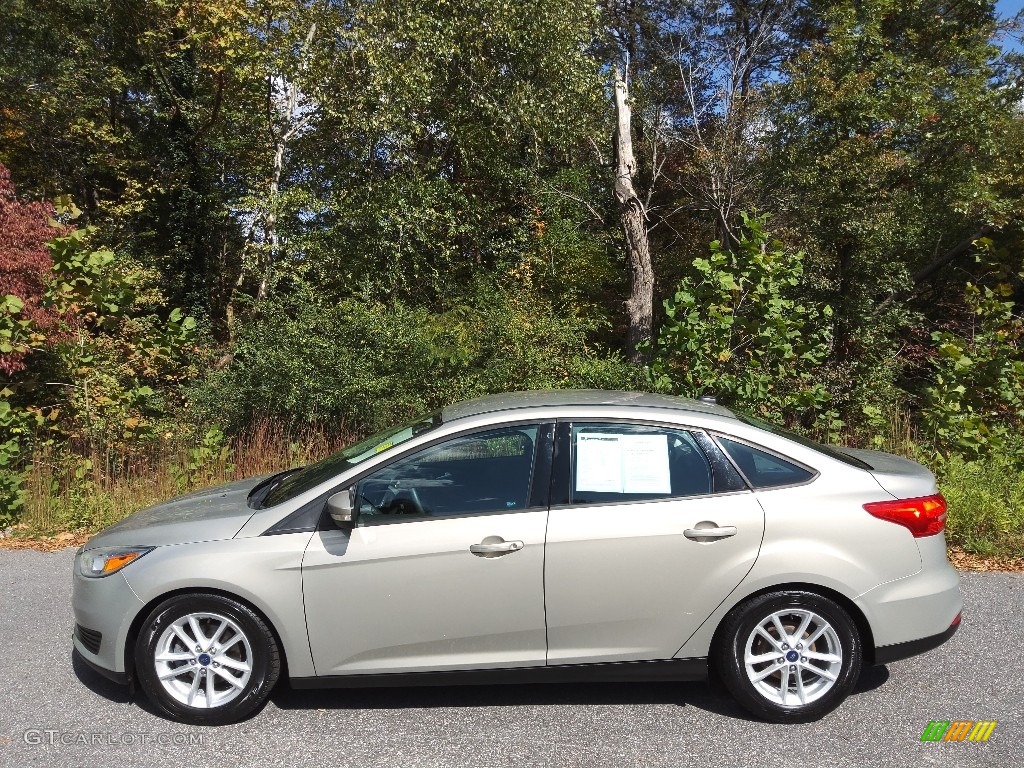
617 463
645 464
598 463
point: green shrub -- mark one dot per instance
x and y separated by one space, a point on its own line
976 400
986 504
205 462
737 328
365 363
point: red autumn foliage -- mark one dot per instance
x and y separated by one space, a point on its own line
25 263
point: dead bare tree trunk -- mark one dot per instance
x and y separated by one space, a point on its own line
640 304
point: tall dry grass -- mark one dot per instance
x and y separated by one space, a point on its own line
899 436
93 486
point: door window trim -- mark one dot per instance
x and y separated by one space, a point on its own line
541 466
540 474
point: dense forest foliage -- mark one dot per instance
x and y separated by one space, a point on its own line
327 215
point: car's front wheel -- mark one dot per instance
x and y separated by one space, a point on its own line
789 656
206 659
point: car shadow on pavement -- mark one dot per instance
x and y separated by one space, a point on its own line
108 689
870 679
710 696
97 683
554 694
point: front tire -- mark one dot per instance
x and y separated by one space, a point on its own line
206 659
789 657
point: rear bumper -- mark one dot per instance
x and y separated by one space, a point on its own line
917 611
890 653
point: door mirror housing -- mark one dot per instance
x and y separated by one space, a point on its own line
341 507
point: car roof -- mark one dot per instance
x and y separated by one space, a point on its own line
562 398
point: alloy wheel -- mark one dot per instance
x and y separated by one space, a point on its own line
203 660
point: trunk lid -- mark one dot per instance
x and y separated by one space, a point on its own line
903 478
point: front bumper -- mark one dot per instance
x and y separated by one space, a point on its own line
121 678
107 606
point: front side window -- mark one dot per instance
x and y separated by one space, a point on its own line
614 463
478 473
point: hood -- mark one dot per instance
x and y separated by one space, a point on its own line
207 515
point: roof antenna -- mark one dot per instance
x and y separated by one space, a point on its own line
709 398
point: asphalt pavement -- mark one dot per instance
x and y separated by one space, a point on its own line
55 712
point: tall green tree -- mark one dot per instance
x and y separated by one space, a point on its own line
889 146
443 138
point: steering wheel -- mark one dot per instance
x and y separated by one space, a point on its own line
401 500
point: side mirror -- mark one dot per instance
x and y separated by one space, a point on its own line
341 508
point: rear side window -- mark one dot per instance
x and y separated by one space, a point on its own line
763 469
613 463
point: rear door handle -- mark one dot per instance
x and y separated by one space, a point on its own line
723 532
496 548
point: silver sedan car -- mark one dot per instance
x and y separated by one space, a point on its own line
537 536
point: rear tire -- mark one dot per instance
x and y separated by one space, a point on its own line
789 657
206 659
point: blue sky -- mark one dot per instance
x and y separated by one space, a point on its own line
1009 8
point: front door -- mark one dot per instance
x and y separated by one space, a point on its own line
444 569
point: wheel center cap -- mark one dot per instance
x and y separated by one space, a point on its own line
205 659
791 656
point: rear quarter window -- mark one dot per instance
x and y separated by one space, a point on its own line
828 450
763 469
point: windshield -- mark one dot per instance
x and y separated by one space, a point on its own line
302 480
828 450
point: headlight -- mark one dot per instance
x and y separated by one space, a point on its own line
104 561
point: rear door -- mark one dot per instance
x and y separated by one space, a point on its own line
650 529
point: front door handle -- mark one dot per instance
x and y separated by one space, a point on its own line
699 534
495 548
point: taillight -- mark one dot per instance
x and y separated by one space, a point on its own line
924 516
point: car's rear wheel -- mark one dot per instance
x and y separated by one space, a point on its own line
789 656
206 659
